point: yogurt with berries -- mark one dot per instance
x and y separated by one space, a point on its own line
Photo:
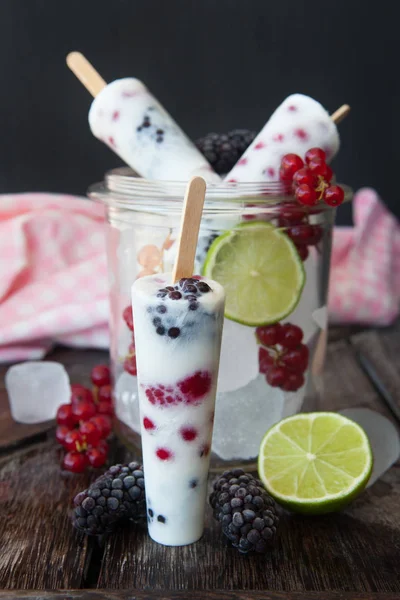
178 329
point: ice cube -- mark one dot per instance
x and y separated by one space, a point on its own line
309 301
239 357
320 316
383 437
36 389
127 401
242 417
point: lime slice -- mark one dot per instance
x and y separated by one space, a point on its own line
261 271
315 463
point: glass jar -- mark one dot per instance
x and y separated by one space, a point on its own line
144 219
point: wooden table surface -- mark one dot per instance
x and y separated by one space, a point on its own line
354 554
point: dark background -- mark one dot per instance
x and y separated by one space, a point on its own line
214 64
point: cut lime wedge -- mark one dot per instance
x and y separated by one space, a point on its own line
315 463
261 271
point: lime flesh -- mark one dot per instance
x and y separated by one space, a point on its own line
315 463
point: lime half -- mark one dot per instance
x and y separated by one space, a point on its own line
261 271
315 463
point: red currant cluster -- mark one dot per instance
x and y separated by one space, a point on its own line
130 358
85 423
282 357
303 234
311 178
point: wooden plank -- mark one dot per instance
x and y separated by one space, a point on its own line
78 364
206 595
356 550
39 547
382 349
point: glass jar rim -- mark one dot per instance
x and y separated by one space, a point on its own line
124 189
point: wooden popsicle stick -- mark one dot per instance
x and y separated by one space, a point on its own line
86 73
190 225
340 114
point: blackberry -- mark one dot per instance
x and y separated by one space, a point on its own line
223 150
248 514
113 497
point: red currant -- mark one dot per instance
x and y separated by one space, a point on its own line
75 462
74 441
80 393
61 433
318 167
305 177
289 165
291 213
276 376
90 432
103 423
105 408
305 194
334 195
130 365
265 360
65 416
84 411
97 457
105 394
296 359
293 382
290 336
302 252
327 174
268 335
313 153
128 317
305 234
100 375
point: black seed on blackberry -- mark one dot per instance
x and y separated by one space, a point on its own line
125 469
151 513
101 501
233 489
161 519
241 493
193 306
203 287
267 534
226 520
97 511
117 494
129 481
224 497
258 523
156 321
112 503
175 295
258 502
226 508
160 330
117 484
161 308
81 512
94 493
134 492
140 482
137 473
174 332
106 492
81 522
237 519
88 504
236 502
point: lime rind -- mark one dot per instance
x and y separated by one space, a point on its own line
238 304
292 458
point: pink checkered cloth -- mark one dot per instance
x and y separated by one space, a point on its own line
53 275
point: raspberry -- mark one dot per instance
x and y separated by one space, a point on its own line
127 315
188 433
130 365
187 391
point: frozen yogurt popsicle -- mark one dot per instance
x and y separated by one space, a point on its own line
126 117
298 124
178 336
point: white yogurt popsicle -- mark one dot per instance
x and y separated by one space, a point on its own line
298 124
178 338
126 117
